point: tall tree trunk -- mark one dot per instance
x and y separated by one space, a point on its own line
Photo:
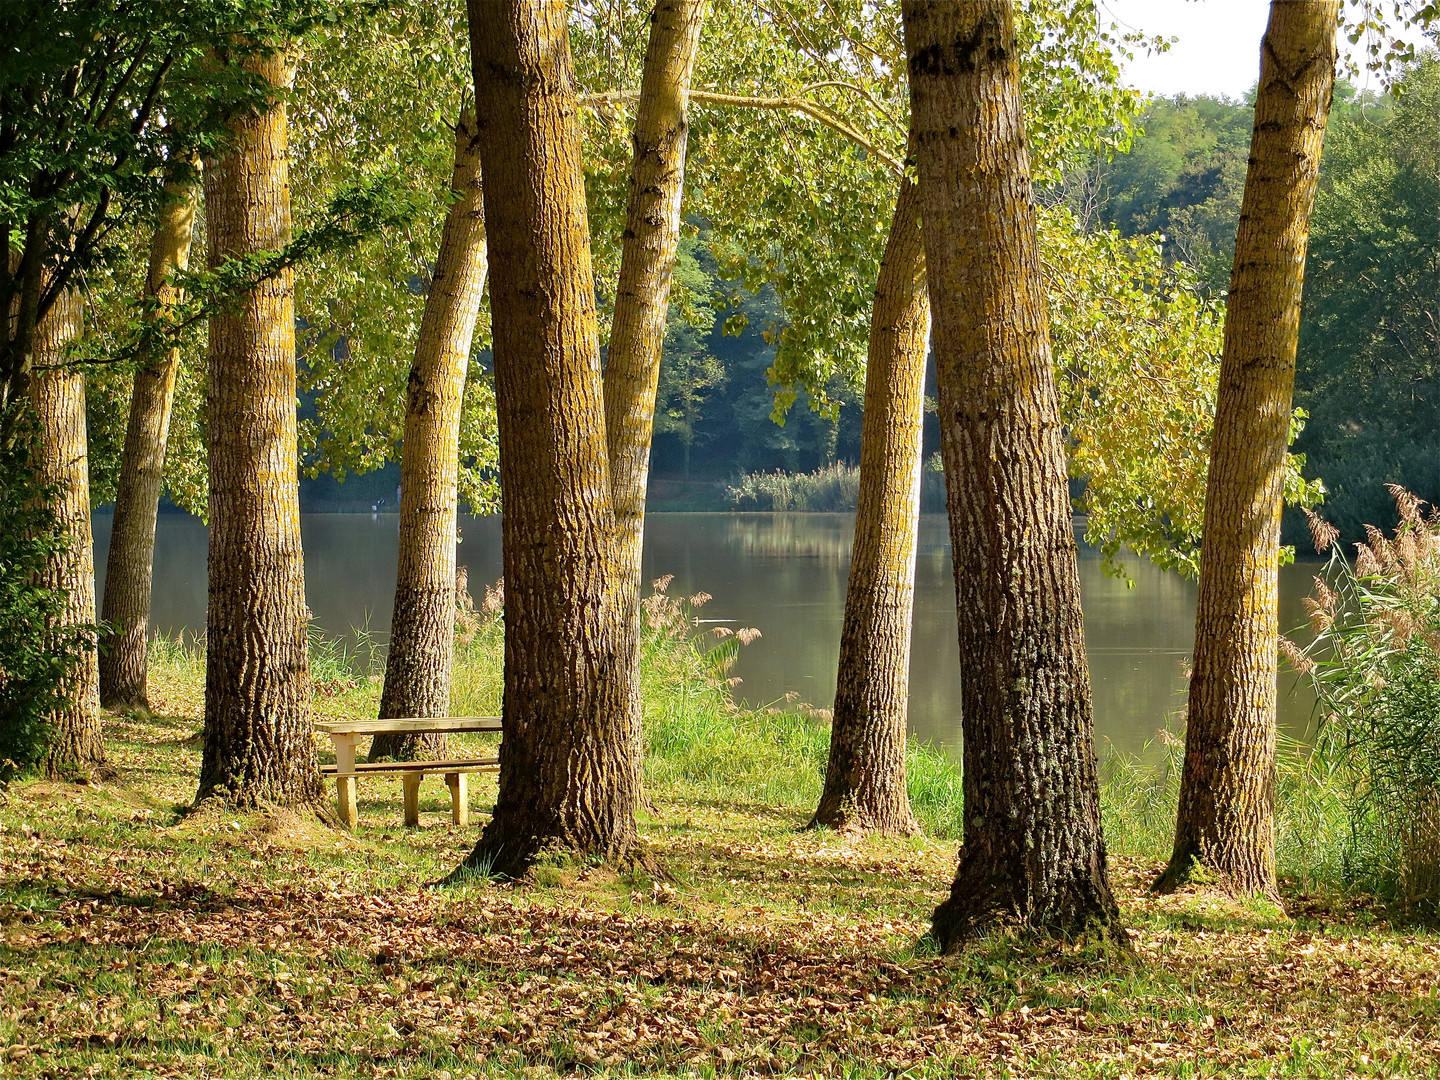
642 298
652 230
259 734
1227 788
1032 845
58 395
865 776
422 628
126 610
570 759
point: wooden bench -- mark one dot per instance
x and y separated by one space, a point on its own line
346 734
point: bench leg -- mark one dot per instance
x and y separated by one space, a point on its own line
345 797
459 797
411 781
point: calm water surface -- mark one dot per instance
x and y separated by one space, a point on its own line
784 574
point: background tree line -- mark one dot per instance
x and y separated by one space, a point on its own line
1366 373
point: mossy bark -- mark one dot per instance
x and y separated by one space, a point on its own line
259 733
865 774
1226 818
126 607
75 747
422 626
570 758
642 296
1032 850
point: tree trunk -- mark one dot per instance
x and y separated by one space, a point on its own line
642 298
126 610
75 748
259 735
652 229
570 759
422 628
1032 846
1227 788
865 777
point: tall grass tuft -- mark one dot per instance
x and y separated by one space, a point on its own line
477 679
338 665
696 739
936 795
1375 664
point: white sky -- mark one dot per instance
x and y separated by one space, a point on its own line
1219 47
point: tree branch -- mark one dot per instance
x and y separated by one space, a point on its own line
859 91
816 112
141 55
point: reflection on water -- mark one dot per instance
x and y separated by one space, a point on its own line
785 574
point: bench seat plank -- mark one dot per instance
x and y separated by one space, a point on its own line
447 766
409 725
410 773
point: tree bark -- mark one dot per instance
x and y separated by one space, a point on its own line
570 759
259 735
422 627
865 775
1227 789
642 298
126 608
652 230
1032 848
76 748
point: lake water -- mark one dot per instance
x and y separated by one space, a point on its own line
784 574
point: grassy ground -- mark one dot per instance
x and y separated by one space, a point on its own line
137 941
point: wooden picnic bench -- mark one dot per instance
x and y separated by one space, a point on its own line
345 734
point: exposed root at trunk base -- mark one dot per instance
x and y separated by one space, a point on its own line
1187 869
849 824
218 802
988 909
81 773
538 859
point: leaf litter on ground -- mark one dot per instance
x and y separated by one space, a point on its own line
141 941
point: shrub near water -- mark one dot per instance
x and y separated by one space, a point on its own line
833 488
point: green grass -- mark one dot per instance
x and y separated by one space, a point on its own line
697 742
140 941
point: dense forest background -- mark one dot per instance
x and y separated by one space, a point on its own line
1367 373
1367 370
